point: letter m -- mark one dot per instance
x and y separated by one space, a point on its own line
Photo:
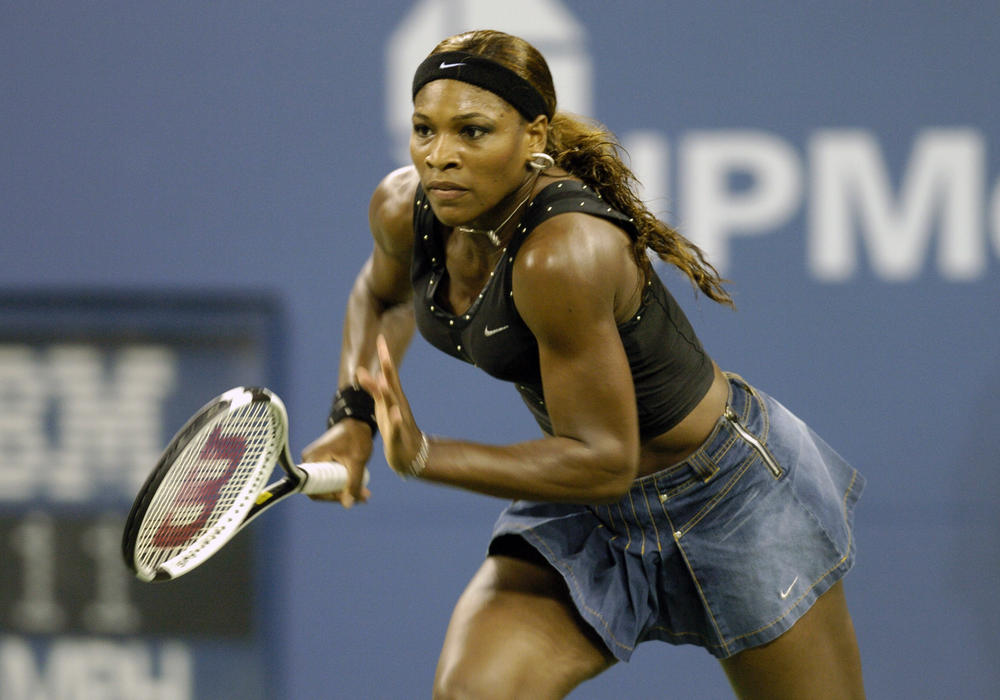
942 183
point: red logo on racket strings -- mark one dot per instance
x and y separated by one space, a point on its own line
201 492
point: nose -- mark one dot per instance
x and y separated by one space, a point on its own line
441 153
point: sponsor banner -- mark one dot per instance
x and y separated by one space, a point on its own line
92 389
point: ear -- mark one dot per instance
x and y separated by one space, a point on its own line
537 134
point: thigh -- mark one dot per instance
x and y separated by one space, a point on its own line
515 633
817 658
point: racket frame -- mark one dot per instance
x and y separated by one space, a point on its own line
253 499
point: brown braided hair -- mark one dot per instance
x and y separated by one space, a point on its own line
591 152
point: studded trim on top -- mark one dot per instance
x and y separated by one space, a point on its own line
669 366
558 198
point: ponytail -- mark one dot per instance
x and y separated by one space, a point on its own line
590 152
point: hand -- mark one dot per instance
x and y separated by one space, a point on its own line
400 435
349 442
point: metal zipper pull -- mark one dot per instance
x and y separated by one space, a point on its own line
765 455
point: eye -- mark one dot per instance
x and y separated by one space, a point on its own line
421 130
474 132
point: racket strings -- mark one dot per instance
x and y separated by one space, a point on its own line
210 484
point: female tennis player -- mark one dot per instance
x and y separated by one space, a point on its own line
666 500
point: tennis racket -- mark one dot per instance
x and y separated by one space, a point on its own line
211 481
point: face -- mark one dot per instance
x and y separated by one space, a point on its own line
470 149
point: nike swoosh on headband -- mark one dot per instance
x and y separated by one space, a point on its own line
450 65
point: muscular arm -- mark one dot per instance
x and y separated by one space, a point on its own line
379 300
568 280
379 304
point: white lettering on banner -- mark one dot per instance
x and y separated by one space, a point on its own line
849 181
81 669
111 610
69 430
841 181
34 542
849 198
712 210
23 405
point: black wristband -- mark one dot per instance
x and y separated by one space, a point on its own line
353 402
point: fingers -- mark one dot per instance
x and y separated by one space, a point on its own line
347 499
384 397
349 443
387 365
365 379
344 498
387 379
397 407
401 437
391 406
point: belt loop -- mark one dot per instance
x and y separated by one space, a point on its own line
702 465
750 394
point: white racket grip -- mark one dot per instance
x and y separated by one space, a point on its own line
326 477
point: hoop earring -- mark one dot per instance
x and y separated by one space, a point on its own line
541 161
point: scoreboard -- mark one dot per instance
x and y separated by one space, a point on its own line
92 386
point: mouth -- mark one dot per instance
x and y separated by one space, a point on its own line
444 190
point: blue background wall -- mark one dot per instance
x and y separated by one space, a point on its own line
232 146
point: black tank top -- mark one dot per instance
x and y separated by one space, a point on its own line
670 369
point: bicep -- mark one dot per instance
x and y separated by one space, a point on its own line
568 303
588 387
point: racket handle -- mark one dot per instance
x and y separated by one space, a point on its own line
326 477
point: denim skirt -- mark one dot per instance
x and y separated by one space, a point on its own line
725 550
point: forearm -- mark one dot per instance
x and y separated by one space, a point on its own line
555 469
366 318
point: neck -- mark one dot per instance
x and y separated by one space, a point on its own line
513 204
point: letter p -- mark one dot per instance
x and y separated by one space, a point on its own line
713 210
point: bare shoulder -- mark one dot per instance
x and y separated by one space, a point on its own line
390 211
577 269
574 249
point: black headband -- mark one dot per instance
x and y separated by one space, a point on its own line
483 73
